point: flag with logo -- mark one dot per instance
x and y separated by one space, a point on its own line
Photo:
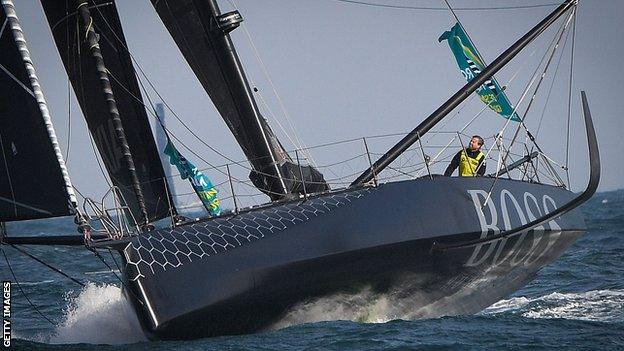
470 65
201 184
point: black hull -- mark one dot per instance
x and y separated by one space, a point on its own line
242 274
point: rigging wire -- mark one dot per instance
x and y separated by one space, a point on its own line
180 142
189 129
19 286
431 8
567 157
483 109
120 41
297 142
99 162
558 35
458 21
165 103
522 124
550 89
546 105
81 87
67 149
554 45
176 115
168 133
68 93
6 168
6 21
514 76
134 97
23 252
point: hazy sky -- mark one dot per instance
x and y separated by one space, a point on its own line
345 71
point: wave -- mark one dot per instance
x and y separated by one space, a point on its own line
99 314
105 272
595 305
48 281
365 306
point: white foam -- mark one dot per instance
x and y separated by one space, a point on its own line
100 314
511 305
105 272
596 305
34 283
368 306
404 301
365 307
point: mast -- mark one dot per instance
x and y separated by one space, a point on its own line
94 47
460 95
267 152
202 35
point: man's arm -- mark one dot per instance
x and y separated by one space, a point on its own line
453 165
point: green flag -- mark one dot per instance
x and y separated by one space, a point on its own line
470 65
201 184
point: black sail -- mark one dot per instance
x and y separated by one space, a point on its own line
74 50
201 34
33 179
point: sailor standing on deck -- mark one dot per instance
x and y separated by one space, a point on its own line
470 160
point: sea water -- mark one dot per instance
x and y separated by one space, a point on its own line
575 303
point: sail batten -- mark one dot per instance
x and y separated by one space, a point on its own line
113 108
35 182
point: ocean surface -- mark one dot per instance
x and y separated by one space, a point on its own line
576 303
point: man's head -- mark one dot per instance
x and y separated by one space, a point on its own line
475 143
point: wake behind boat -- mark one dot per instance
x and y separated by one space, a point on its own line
459 243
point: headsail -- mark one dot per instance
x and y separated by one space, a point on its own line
471 64
34 182
201 32
70 40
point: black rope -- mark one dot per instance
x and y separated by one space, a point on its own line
19 286
49 266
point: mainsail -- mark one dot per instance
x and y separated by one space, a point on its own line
201 32
143 186
34 182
